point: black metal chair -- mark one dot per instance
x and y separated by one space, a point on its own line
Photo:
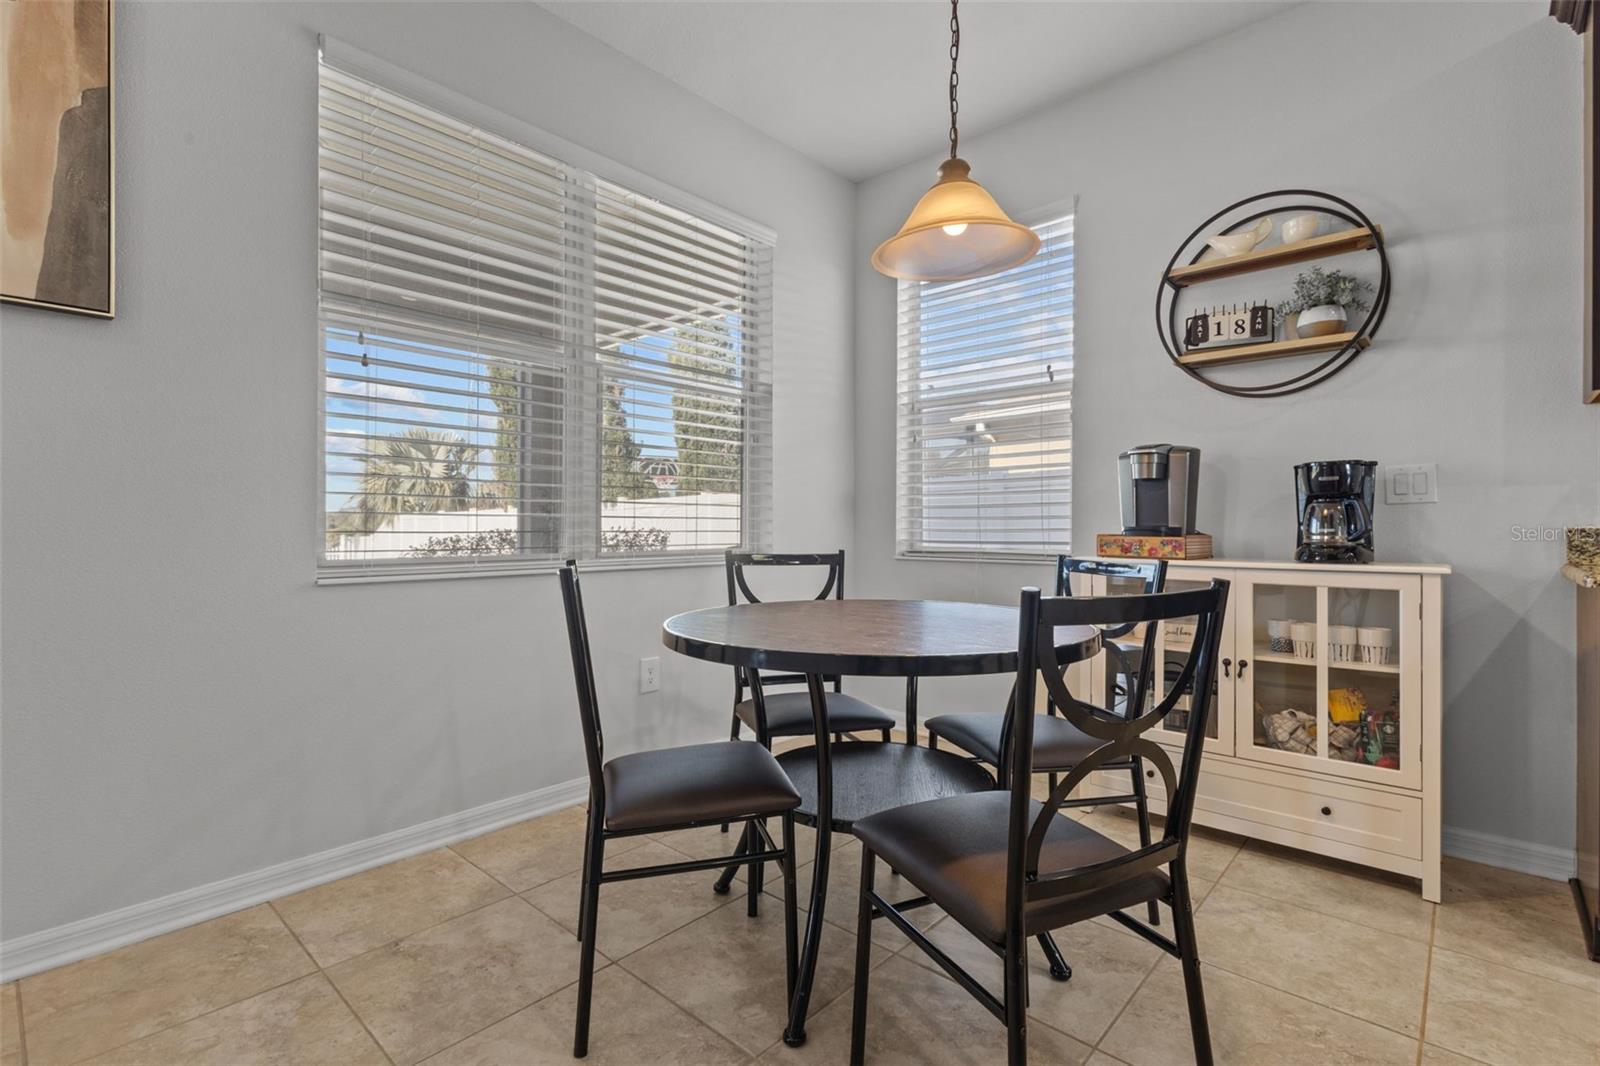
672 788
788 714
1058 745
1007 867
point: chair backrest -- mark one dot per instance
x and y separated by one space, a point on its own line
735 564
594 745
1120 738
1152 574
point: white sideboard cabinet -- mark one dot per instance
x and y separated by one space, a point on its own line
1324 732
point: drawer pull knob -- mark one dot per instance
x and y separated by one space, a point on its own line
1150 774
1327 810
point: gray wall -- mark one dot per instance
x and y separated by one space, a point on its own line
181 703
1457 128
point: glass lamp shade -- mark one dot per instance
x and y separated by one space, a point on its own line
955 232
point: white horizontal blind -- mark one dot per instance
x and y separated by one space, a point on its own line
523 361
984 409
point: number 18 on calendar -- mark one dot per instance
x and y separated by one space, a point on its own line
1229 325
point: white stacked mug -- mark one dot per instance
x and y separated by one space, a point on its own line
1279 639
1375 644
1305 639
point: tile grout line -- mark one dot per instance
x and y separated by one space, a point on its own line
1315 1003
1126 1004
1311 910
22 1028
646 982
202 1014
1427 981
232 1003
414 932
1149 973
336 989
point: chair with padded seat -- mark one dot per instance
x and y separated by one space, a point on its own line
1006 867
788 714
666 789
1058 745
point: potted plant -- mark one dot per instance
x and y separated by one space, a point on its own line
1322 301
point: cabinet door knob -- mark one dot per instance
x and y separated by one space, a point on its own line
1150 774
1227 665
1327 810
1242 664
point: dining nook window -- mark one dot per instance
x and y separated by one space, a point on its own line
525 359
984 409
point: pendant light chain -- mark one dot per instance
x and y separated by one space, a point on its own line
955 79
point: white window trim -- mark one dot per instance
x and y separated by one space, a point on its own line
363 64
1036 217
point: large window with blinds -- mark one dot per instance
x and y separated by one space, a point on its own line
984 421
525 360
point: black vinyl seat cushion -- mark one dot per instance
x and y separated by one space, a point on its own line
695 784
1057 743
954 850
789 714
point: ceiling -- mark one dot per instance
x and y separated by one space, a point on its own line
861 87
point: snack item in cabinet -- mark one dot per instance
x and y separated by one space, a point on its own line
1383 739
1344 743
1291 730
1346 704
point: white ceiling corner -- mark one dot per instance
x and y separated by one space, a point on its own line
860 87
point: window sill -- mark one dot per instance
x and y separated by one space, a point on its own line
1004 558
357 575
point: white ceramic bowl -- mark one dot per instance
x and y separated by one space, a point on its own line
1242 242
1300 228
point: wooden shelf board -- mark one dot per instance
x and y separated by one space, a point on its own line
1295 660
1247 353
1350 240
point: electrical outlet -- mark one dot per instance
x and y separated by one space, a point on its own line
1417 483
650 674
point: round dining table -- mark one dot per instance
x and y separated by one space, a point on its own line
821 639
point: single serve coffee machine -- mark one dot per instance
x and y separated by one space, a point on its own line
1160 483
1334 499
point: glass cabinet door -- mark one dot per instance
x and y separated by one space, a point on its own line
1331 677
1282 666
1172 648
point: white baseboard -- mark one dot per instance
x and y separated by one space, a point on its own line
1540 860
49 948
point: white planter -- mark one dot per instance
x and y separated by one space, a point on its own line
1320 321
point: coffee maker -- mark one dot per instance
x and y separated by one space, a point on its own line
1160 483
1334 499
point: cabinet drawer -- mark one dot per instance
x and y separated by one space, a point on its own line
1358 817
1287 806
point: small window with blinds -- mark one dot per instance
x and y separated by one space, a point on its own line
984 420
524 361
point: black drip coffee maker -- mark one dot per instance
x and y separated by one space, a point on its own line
1334 499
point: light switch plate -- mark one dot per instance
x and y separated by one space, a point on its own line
1416 483
650 674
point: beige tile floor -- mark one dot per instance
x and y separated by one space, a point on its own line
466 955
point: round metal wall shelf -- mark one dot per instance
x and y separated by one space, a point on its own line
1362 235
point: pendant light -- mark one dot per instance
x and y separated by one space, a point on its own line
956 231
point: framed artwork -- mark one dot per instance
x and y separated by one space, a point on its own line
1580 15
57 225
1591 170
